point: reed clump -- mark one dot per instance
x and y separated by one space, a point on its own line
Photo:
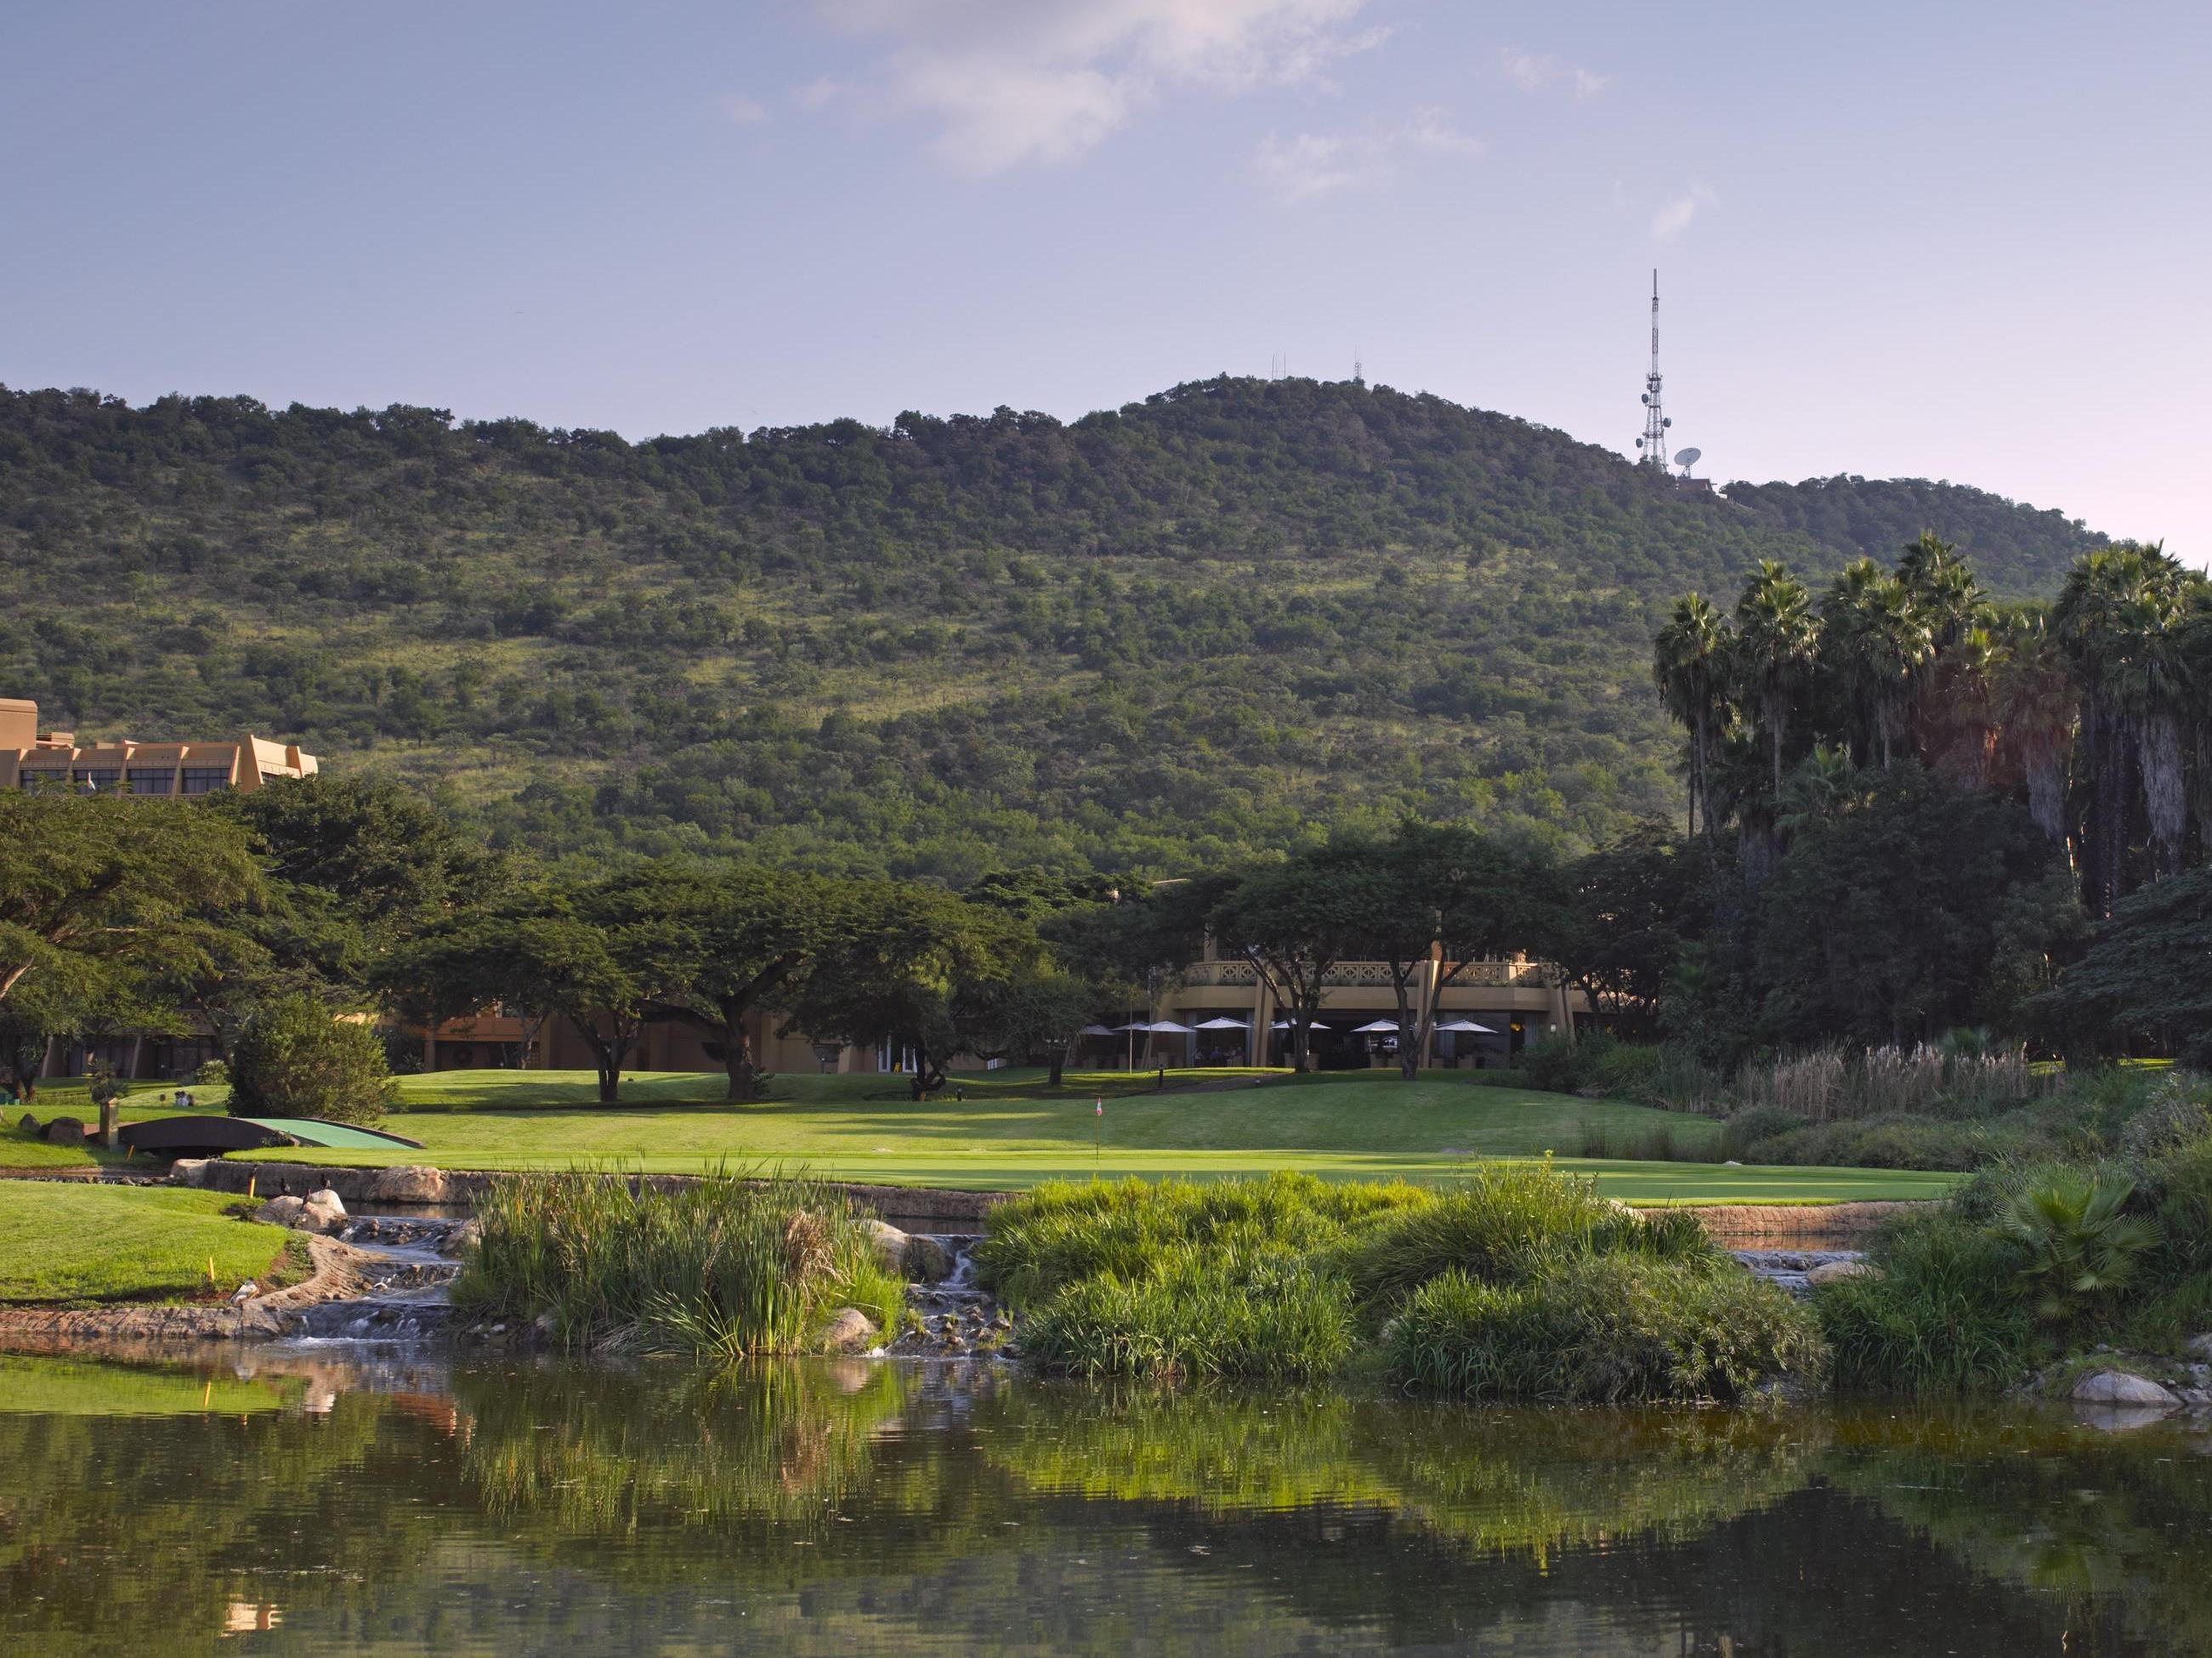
1518 1282
726 1266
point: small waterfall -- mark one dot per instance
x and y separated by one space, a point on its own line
958 1319
1791 1269
406 1279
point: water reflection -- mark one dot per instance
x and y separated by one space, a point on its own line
301 1503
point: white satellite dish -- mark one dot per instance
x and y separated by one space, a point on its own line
1689 457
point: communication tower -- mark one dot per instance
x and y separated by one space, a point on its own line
1651 447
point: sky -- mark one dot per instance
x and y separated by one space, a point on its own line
1957 241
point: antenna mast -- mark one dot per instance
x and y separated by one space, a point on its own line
1652 445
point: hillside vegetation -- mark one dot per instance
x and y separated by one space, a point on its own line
1163 636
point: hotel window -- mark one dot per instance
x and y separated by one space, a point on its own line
152 780
43 780
206 779
101 777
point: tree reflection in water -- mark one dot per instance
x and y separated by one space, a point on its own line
311 1504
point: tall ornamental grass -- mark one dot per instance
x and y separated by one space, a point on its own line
1603 1329
1285 1278
724 1266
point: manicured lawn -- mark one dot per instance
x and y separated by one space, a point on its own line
63 1244
1010 1132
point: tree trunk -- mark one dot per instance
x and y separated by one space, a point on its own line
2165 800
1059 1066
738 1059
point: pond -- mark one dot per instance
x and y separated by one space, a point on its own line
327 1500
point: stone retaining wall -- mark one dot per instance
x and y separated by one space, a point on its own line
417 1183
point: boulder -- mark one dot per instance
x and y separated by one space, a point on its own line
926 1260
889 1243
190 1171
1835 1272
411 1183
28 1123
2119 1388
324 1210
63 1131
846 1330
2200 1347
281 1211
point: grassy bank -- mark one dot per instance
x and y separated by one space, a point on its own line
723 1267
69 1244
2044 1264
1518 1282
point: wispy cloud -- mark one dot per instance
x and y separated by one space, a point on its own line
1310 164
1534 71
746 112
1673 216
816 94
1013 82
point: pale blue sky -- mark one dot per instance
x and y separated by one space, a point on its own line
1962 241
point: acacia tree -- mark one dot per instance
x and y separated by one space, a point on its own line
1294 921
1438 901
895 954
582 953
99 892
733 939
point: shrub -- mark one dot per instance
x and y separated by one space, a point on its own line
294 1059
1940 1313
1605 1329
2178 1112
726 1266
1559 1065
212 1073
1198 1313
2082 1247
1751 1126
1506 1222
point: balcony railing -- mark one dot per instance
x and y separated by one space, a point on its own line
1488 975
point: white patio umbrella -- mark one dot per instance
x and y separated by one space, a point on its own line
1096 1030
1221 1025
1169 1027
1380 1027
1467 1025
1133 1025
1284 1024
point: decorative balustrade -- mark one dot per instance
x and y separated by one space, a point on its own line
1488 975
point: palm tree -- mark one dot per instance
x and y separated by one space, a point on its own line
1880 642
2033 702
1689 662
1821 785
1942 587
2121 617
1778 642
1955 710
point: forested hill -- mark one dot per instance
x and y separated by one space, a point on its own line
1201 624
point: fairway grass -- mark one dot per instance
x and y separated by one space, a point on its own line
1011 1132
71 1242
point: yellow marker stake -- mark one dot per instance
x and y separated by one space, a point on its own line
250 1178
211 1269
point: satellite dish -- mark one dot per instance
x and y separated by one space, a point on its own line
1689 457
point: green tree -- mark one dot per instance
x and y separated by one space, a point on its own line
1878 642
295 1057
99 891
1777 646
889 975
2146 977
1690 667
733 940
1878 923
1293 922
581 953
